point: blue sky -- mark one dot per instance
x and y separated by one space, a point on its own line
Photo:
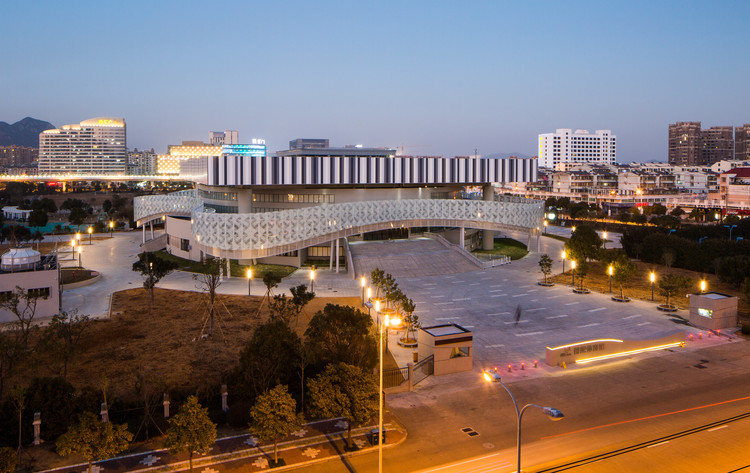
441 78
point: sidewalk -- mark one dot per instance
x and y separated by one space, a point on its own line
315 442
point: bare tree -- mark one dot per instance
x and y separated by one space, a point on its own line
22 303
63 335
209 281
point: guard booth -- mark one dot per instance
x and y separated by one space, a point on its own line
713 311
450 345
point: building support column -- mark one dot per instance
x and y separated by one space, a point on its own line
229 271
461 236
488 236
151 224
330 258
144 232
337 255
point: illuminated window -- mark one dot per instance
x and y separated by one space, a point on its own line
706 313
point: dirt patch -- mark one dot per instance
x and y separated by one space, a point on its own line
167 347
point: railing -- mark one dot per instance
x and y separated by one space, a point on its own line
423 369
395 377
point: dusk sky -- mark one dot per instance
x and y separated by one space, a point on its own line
441 78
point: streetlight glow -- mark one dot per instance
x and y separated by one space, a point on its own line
652 277
610 271
249 281
703 286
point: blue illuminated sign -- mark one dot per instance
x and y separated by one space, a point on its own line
245 150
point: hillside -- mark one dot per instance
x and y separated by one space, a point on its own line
23 132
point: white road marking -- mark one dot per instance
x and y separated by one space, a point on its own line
598 309
534 310
554 297
644 323
494 346
589 325
657 444
717 428
475 284
632 316
557 316
499 313
497 295
443 303
572 303
513 322
497 290
532 290
462 299
527 334
519 295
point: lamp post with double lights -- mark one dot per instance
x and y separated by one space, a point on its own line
552 413
387 320
249 282
730 227
652 277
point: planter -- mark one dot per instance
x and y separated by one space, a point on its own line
667 308
407 342
621 299
546 284
582 291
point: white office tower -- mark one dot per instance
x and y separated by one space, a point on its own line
226 137
94 147
580 146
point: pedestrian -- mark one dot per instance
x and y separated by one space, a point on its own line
518 314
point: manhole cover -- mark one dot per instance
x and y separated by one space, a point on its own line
466 429
473 434
700 366
488 446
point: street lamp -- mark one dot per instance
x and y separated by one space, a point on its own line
78 238
610 271
111 227
249 281
604 242
90 230
312 279
730 227
545 226
564 255
551 413
387 320
362 283
80 251
703 286
573 266
573 228
717 216
652 277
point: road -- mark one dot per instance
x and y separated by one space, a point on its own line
607 408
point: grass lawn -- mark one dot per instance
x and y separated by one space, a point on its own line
238 271
506 246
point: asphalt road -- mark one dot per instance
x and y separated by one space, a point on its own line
609 407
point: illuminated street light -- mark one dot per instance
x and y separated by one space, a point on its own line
551 413
545 226
604 242
610 271
573 266
362 283
564 255
312 279
703 286
249 282
90 230
112 227
573 228
652 277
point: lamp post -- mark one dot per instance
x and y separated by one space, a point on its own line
249 282
610 271
362 283
387 320
78 238
111 227
552 413
703 286
604 242
563 260
573 229
652 277
312 279
730 227
73 250
545 226
80 251
90 230
573 279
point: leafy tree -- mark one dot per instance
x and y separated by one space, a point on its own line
15 234
342 334
640 218
46 204
38 218
377 278
410 319
63 335
77 216
22 304
8 460
656 209
623 269
733 269
275 416
286 309
582 270
107 206
210 280
584 244
54 398
11 350
545 265
270 357
154 268
94 440
190 430
677 212
672 285
344 390
666 221
668 257
697 214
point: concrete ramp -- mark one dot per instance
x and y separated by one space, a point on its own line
408 258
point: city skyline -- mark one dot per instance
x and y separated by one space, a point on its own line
439 81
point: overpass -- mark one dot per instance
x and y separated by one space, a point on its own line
259 235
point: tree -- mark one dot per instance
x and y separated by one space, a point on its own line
22 303
344 390
377 277
94 440
410 320
672 284
270 280
270 357
275 416
11 350
64 333
8 460
342 334
46 204
545 265
38 218
286 309
190 430
15 234
582 270
210 280
584 244
154 268
733 269
77 216
55 398
677 212
623 269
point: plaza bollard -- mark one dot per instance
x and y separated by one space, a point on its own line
535 363
165 402
224 394
508 367
523 366
690 337
700 336
103 412
37 427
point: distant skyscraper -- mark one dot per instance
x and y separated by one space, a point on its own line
142 162
95 146
742 142
226 137
685 144
580 146
18 155
717 144
309 143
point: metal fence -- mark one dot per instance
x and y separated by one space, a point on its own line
395 377
424 369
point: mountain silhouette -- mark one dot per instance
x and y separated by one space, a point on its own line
23 132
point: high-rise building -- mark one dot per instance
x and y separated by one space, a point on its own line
685 144
142 162
13 156
742 142
717 144
226 137
580 146
96 146
309 143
